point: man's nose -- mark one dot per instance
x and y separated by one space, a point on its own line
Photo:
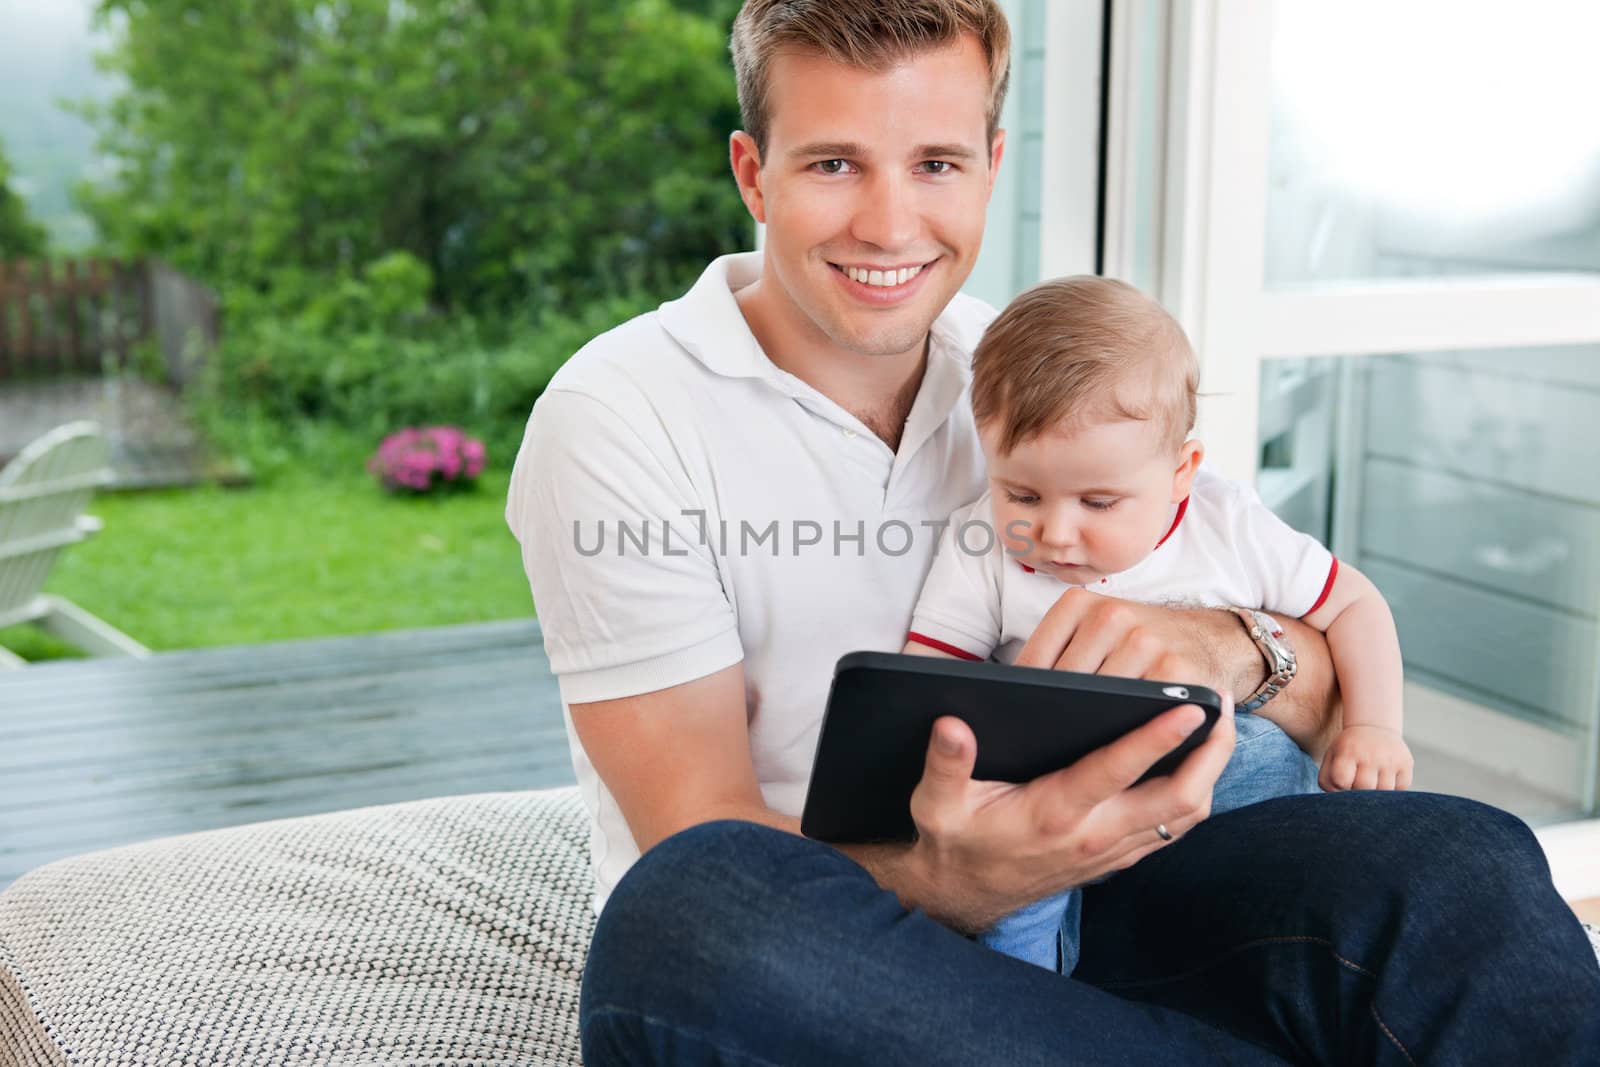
886 216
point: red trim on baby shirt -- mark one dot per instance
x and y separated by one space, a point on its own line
1327 587
933 642
1024 566
1183 506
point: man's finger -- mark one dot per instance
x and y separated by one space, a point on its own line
1183 798
1107 771
938 804
1133 659
1202 767
1055 630
1136 851
952 752
1177 802
1097 637
1139 845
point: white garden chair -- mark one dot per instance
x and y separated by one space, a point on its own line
43 494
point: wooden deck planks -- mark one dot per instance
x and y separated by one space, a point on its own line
98 753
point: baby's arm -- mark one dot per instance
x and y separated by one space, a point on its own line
1369 752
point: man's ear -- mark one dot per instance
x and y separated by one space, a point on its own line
996 151
1189 457
746 160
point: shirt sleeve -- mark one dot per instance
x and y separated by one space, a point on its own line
1293 571
618 619
958 610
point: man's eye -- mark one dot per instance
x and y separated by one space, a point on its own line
938 166
1021 498
831 166
1099 505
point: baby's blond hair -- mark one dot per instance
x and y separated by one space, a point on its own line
1077 351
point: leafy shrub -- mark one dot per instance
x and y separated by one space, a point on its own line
365 356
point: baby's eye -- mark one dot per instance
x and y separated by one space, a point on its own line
1021 498
1099 505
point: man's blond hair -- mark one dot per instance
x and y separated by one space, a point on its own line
868 34
1078 351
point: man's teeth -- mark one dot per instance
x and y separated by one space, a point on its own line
882 278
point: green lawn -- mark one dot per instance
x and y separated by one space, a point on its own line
297 558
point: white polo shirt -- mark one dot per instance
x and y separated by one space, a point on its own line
1224 548
683 504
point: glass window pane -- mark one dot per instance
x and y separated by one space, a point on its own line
1466 486
1432 138
1009 262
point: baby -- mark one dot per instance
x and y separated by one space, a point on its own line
1084 394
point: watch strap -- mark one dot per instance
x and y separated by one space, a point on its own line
1275 649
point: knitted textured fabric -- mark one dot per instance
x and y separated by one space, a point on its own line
441 932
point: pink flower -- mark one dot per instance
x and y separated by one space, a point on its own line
422 459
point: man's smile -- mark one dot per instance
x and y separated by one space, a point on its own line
882 284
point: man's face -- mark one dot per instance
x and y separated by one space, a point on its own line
873 190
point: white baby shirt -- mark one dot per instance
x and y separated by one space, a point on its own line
1225 548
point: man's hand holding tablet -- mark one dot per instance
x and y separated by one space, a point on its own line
1012 843
1026 723
1016 843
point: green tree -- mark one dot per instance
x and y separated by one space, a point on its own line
19 235
529 154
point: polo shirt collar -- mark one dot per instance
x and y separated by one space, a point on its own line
944 384
707 321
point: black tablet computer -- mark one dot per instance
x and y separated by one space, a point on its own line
1028 722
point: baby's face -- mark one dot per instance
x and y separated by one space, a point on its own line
1090 502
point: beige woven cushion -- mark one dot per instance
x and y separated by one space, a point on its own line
449 931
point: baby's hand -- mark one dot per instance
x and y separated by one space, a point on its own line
1366 757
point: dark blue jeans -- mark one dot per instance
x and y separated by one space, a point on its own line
1349 928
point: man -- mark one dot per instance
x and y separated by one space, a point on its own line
714 501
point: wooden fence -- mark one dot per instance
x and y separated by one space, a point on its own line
87 318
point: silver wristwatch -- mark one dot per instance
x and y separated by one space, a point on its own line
1275 649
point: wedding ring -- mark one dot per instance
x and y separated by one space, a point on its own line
1162 832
